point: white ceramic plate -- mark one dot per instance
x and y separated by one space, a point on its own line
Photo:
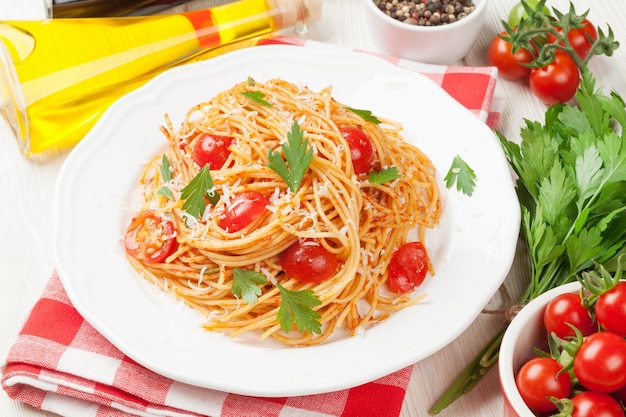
472 249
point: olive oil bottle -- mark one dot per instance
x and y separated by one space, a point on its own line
57 76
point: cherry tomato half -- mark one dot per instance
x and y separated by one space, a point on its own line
600 363
361 149
538 379
610 309
595 404
212 150
150 237
557 82
308 261
242 210
579 38
407 268
508 63
568 308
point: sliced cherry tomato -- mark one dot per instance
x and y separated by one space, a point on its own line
407 268
610 309
557 82
538 379
212 150
595 404
579 38
150 237
518 12
600 363
242 210
309 261
568 308
361 149
509 64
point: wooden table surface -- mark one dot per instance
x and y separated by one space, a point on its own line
27 187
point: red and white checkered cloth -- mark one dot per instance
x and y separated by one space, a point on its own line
61 364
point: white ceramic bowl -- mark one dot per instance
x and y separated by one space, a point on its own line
444 44
525 332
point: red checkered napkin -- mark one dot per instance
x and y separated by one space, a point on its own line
61 364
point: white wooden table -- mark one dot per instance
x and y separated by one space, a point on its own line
26 195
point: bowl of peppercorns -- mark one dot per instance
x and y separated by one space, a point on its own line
429 31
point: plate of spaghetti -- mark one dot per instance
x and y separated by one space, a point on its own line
263 225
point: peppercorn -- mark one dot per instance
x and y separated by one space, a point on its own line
426 12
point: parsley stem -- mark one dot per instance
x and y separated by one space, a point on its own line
472 374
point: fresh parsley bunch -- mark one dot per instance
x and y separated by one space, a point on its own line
571 186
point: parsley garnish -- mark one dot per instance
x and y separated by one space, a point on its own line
384 175
167 177
199 188
246 284
298 155
258 97
365 115
297 308
461 174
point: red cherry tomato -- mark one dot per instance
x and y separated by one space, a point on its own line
508 63
595 404
620 395
557 82
600 363
407 268
610 309
538 379
150 238
361 149
578 38
308 261
212 150
244 208
568 308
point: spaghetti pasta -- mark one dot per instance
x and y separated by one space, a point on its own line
359 222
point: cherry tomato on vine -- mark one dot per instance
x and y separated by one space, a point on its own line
538 379
518 12
242 210
610 309
509 64
600 362
212 150
361 149
150 237
557 82
308 261
578 38
407 268
568 308
595 404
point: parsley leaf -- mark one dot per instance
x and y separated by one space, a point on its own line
167 177
296 308
258 97
199 188
365 115
298 154
246 284
461 174
384 175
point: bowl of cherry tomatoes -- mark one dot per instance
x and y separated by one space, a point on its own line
564 354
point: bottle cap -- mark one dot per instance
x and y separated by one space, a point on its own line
298 12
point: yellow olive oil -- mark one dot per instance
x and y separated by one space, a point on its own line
71 70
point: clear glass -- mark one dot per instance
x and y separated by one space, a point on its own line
59 75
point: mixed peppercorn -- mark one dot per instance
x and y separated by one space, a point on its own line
426 12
